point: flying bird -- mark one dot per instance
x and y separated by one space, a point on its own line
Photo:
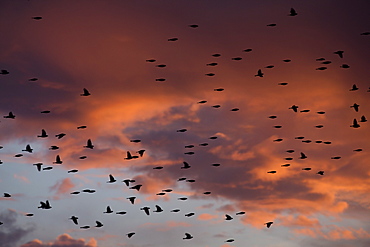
136 187
43 134
10 115
130 234
58 160
355 107
37 18
354 88
185 166
28 149
294 108
146 210
320 173
363 119
38 165
98 224
259 73
355 124
173 39
303 156
89 144
130 157
108 211
141 152
111 179
158 209
339 53
268 224
74 219
193 26
228 217
45 205
85 93
292 12
60 136
7 195
188 236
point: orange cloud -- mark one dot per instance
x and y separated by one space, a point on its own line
206 216
62 187
63 240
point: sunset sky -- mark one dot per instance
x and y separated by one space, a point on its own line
117 49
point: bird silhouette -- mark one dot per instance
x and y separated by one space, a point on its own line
185 166
146 210
130 234
161 65
121 212
181 130
74 219
53 148
37 18
173 39
306 169
33 79
193 26
271 25
187 236
355 124
355 107
339 53
345 66
89 144
189 146
98 224
151 60
7 195
268 224
321 68
228 217
38 165
82 127
271 172
259 73
303 156
58 160
128 181
211 64
294 108
45 205
84 227
130 157
160 79
216 55
111 179
363 119
158 209
4 72
354 88
60 136
85 93
43 134
240 213
189 214
28 148
136 187
320 173
10 115
202 102
108 211
175 210
292 12
141 152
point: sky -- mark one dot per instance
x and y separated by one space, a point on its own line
155 84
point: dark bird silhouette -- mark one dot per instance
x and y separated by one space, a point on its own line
207 192
189 214
131 199
210 74
236 58
167 190
60 136
141 152
82 127
7 195
365 33
185 166
53 148
89 144
235 109
320 59
355 124
88 191
135 140
212 64
189 153
278 126
4 72
203 144
278 140
290 151
202 102
336 158
181 179
358 150
287 60
320 112
161 65
58 160
326 62
282 83
320 173
72 171
130 157
216 106
82 157
321 68
128 181
150 60
47 168
18 155
247 50
345 66
33 79
45 112
84 227
43 134
218 89
45 205
306 169
160 194
303 156
158 209
228 217
327 142
319 126
269 66
29 215
355 107
294 108
175 210
272 117
181 130
173 39
75 193
339 53
111 179
10 115
74 219
307 141
121 213
182 198
305 111
216 55
363 119
271 172
259 73
108 211
318 141
38 165
189 146
271 25
160 79
354 88
190 180
158 167
98 224
230 240
85 93
188 236
268 224
213 137
288 158
130 234
136 187
193 26
146 210
28 148
37 18
292 12
285 165
240 213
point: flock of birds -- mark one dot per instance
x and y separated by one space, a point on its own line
131 183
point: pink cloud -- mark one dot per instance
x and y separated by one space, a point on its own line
63 240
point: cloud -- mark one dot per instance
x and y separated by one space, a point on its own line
206 216
10 232
62 187
63 240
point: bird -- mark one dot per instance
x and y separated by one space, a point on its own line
43 134
190 180
75 192
228 217
203 144
45 205
98 224
272 117
247 50
189 153
211 64
216 106
259 73
213 137
60 136
345 66
74 219
354 88
175 210
167 190
28 149
10 115
7 195
355 107
363 119
193 26
207 192
339 53
283 83
53 148
305 111
320 112
292 12
128 181
158 209
189 214
321 68
47 168
189 146
210 74
216 55
303 156
188 236
285 165
141 152
37 18
85 93
82 157
146 210
235 109
268 224
278 140
33 79
240 213
336 158
108 211
218 89
357 150
236 58
173 39
294 108
269 66
271 172
130 234
111 179
151 60
365 33
287 60
326 62
158 167
38 165
202 102
306 169
45 112
185 166
271 25
89 144
18 155
29 214
121 212
4 72
160 79
181 130
161 65
182 198
130 157
82 127
320 173
355 124
84 227
136 187
88 191
230 240
58 160
320 59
